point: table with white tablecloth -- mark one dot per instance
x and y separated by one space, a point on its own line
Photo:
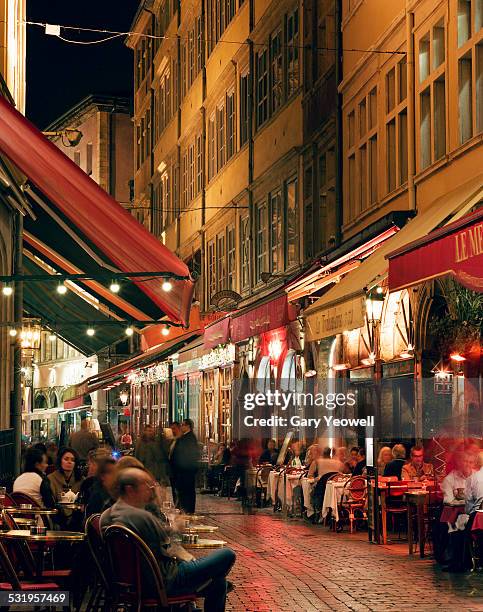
277 483
332 498
307 488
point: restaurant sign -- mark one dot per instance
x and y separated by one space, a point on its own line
456 249
155 374
218 357
403 367
349 314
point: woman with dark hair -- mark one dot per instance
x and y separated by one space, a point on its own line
67 476
33 480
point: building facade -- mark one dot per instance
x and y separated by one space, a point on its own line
13 48
105 149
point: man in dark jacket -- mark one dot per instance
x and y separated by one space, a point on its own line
184 465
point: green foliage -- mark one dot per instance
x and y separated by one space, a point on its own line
461 328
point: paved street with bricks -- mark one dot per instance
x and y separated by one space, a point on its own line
290 565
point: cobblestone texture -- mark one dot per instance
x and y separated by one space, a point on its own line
291 566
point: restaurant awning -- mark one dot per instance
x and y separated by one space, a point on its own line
260 318
71 207
51 307
118 372
343 306
456 250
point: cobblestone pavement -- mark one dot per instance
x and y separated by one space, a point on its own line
288 566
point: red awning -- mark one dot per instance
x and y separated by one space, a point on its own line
455 249
262 318
115 232
217 333
118 372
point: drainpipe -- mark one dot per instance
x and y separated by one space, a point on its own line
411 109
17 353
338 124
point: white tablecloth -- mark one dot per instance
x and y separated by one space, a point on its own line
276 483
307 488
332 498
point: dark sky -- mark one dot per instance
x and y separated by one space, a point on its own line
60 74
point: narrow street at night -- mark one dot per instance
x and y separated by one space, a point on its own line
293 566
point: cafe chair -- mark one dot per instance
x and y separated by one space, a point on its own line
100 588
354 498
19 497
20 553
396 504
261 484
134 573
10 581
8 502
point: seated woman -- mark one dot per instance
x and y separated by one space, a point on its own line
33 480
384 457
66 478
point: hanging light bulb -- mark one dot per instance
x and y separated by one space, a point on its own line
167 285
61 289
12 332
165 330
7 290
115 287
129 331
90 331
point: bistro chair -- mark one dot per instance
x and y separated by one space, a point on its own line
19 497
134 573
261 484
354 498
14 583
100 588
8 502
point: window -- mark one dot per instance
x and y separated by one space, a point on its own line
244 253
470 68
291 223
308 213
261 245
220 262
211 264
220 137
276 237
244 102
89 158
262 87
211 148
292 53
230 125
77 158
230 257
199 164
431 95
276 71
396 126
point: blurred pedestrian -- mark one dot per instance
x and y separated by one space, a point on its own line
152 451
83 441
185 457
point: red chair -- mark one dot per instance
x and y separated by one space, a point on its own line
8 502
13 582
354 498
98 553
134 570
19 497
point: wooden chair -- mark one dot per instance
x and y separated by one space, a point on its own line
354 498
134 570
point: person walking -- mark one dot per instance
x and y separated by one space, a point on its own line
84 441
185 458
153 454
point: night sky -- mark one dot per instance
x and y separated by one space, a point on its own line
60 74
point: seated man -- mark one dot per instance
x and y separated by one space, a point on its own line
361 464
474 490
416 469
454 484
136 490
394 467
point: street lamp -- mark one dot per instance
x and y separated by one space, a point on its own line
374 305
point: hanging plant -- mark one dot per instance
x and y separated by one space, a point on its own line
461 328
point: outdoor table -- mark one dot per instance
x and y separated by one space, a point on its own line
332 497
273 484
22 520
36 511
204 543
418 499
307 487
200 529
291 481
51 537
451 512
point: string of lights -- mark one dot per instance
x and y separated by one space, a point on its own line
54 30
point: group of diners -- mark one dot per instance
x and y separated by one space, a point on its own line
124 493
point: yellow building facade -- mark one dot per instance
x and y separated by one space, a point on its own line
13 48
